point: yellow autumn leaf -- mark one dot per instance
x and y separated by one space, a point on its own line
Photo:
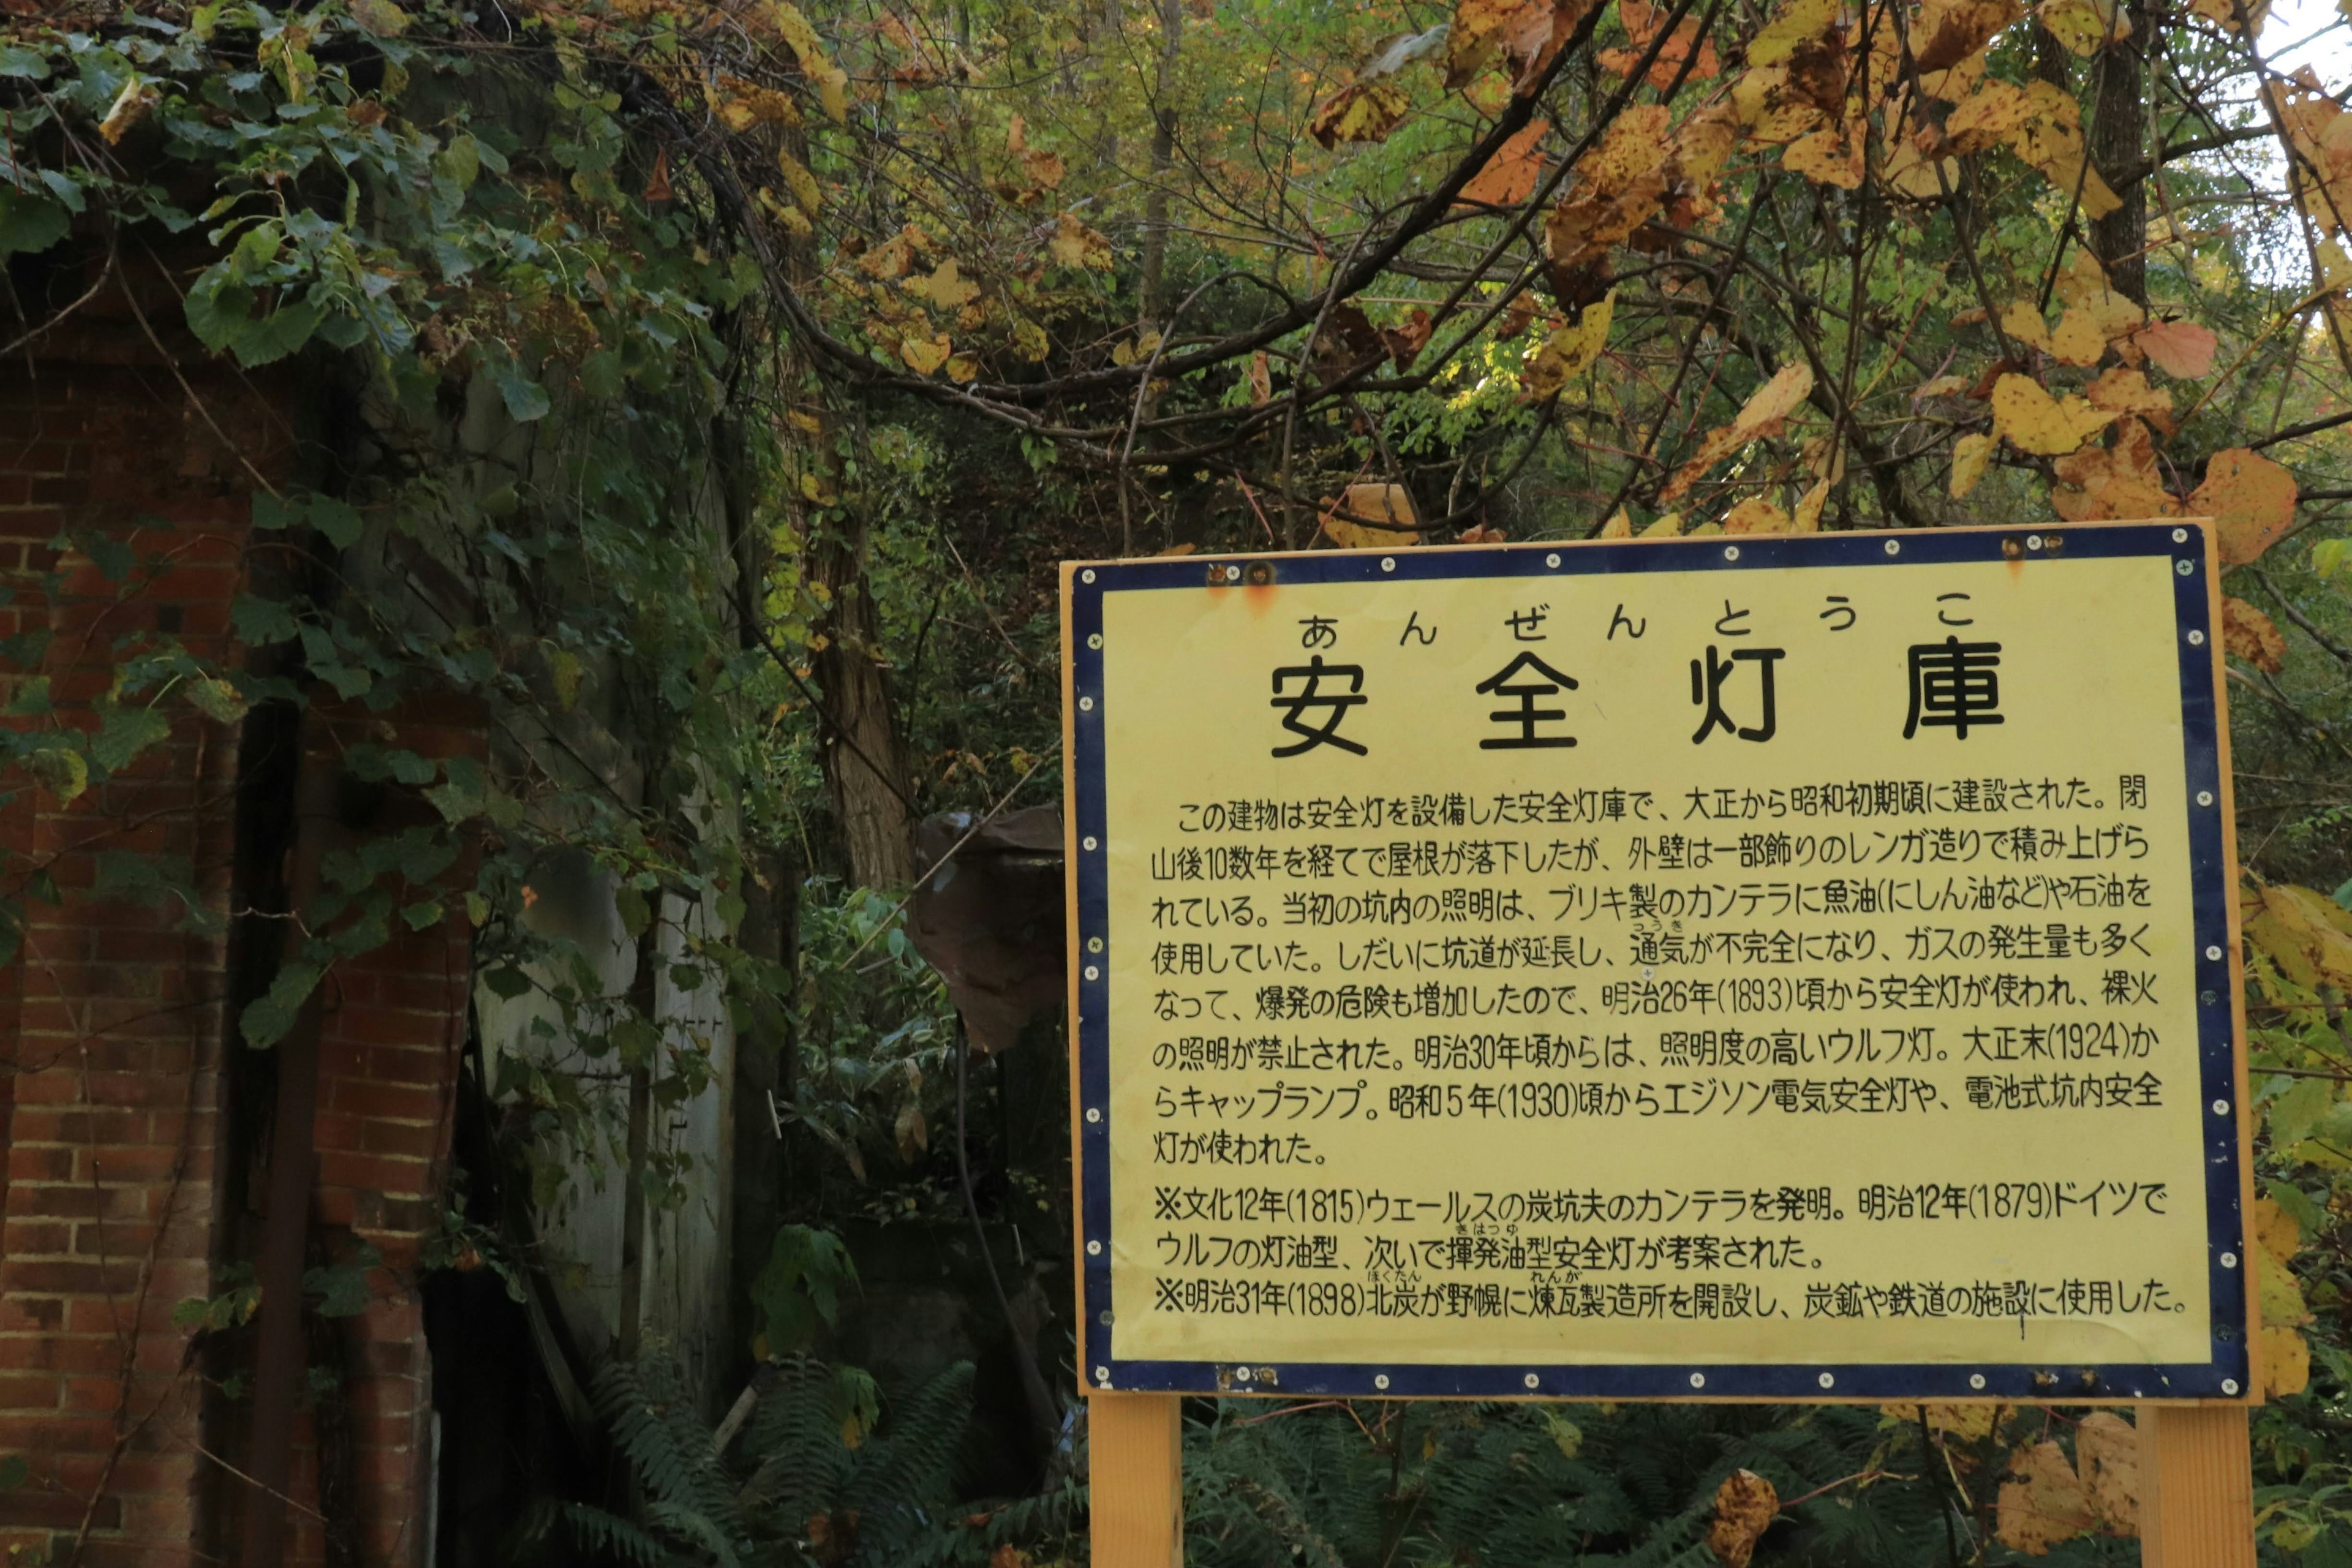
1666 527
2023 322
922 357
830 79
137 100
946 288
1756 515
2276 1231
2078 339
1969 1423
2085 27
1806 518
802 183
1620 526
1795 25
1377 504
2128 391
2279 1292
2106 1456
2316 926
2286 1357
2035 421
1970 455
2042 1501
1073 245
2042 125
1569 351
2251 501
742 104
2224 14
1829 156
1366 111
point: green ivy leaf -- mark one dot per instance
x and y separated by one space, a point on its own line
421 914
636 1039
635 913
507 981
215 699
144 879
29 65
800 1287
461 797
338 521
276 335
266 1018
526 400
261 622
218 310
123 733
30 223
61 771
2294 1113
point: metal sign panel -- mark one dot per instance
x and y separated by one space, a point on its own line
1796 967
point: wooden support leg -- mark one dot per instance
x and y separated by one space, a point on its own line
2196 1487
1136 1466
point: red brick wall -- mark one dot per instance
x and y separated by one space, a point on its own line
112 1027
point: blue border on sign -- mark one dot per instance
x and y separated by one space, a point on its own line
2224 1376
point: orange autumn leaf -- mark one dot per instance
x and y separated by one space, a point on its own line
1527 34
1745 1507
2251 501
1641 23
1510 175
2182 349
2251 636
1764 412
1620 186
1946 32
2116 481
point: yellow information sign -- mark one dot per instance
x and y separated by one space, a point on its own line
1790 967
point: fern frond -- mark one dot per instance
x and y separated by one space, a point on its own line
595 1533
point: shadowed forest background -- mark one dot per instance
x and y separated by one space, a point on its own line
725 381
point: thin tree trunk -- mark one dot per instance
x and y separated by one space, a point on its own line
644 995
858 743
862 768
2118 137
1163 160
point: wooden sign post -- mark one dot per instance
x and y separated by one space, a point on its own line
1795 968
